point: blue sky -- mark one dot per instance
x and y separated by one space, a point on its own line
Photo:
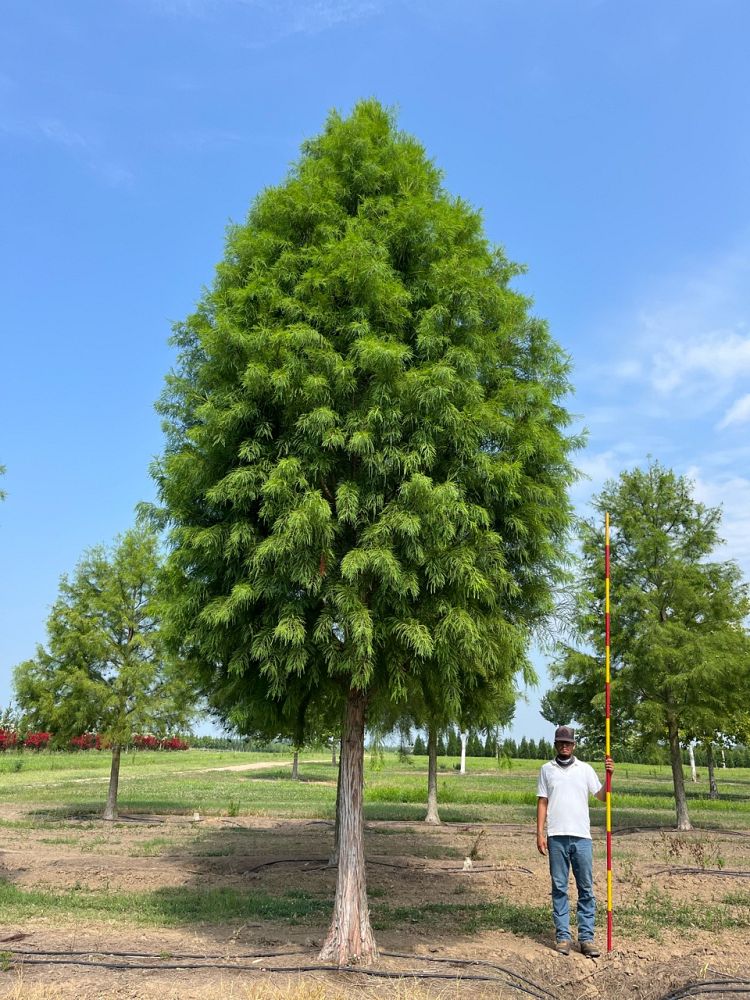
608 145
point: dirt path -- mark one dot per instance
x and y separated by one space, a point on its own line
258 765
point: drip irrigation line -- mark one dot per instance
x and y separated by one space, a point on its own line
711 987
624 831
719 872
469 961
166 954
323 862
85 959
284 861
294 969
728 975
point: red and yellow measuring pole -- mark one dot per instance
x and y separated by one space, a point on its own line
608 776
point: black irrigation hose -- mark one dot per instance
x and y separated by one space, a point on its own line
719 872
76 958
710 987
285 861
166 954
296 969
454 868
323 862
469 961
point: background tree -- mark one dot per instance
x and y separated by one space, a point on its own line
105 668
679 646
366 468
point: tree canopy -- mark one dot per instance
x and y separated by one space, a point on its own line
367 462
105 668
680 651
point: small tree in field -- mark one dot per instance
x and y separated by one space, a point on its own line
104 669
366 466
681 654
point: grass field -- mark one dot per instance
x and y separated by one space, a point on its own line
72 784
220 841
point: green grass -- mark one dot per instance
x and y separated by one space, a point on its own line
173 907
65 785
165 907
657 910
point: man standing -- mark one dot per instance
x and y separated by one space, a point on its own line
563 790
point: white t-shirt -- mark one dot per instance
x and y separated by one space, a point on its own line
567 791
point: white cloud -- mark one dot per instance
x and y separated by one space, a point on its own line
692 339
60 134
721 356
88 148
732 494
597 467
738 412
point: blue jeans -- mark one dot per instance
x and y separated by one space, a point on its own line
564 853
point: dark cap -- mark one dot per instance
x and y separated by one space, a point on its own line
564 734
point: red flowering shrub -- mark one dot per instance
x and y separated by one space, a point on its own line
145 741
36 741
174 743
87 741
8 739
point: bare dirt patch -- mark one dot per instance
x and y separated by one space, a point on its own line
410 866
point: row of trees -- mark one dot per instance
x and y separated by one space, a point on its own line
364 501
449 745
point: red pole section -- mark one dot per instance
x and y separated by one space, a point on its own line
607 705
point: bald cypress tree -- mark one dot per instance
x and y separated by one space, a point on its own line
680 646
366 467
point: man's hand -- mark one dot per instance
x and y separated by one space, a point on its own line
541 843
609 767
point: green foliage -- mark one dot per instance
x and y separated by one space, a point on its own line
453 743
105 668
366 468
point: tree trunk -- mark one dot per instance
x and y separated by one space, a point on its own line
678 779
691 754
295 766
334 858
350 939
713 789
333 753
432 799
110 810
464 738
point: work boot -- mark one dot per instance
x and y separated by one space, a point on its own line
562 947
589 949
